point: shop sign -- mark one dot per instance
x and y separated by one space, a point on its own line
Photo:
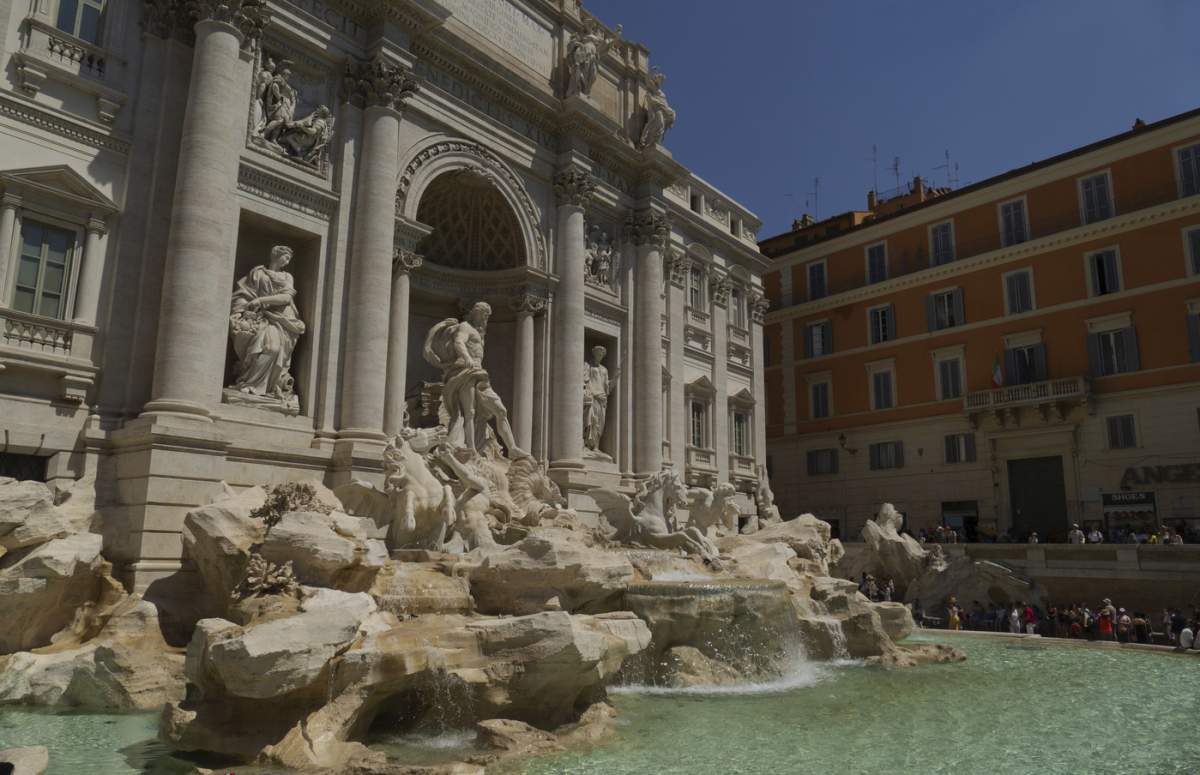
1177 474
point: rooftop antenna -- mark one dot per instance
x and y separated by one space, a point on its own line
895 168
875 167
816 195
951 169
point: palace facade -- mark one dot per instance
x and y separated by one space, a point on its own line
1016 355
227 227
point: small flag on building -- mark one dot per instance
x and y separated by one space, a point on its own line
997 374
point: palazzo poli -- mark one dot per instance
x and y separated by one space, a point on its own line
248 242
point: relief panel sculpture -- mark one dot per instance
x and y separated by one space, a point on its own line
273 122
601 262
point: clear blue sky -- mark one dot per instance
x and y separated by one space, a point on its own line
774 93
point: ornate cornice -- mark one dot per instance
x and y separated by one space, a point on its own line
405 261
28 114
250 17
378 83
574 187
647 227
281 191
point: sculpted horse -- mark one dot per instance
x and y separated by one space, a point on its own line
709 509
640 521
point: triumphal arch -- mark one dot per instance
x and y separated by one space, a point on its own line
249 241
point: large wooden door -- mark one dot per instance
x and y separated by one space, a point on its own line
1038 498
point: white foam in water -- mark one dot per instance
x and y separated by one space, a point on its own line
799 674
678 576
458 738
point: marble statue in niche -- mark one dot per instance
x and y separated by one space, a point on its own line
659 115
584 54
599 266
598 385
265 326
456 348
274 121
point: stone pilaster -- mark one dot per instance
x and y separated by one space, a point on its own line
719 288
404 262
190 357
9 203
651 233
527 306
573 188
382 88
758 311
676 267
87 295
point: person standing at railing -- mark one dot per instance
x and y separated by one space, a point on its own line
1075 535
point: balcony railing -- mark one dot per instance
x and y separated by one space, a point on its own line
49 345
705 459
1009 396
741 466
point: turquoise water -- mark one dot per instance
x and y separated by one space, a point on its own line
1014 708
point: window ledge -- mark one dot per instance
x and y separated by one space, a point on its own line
48 53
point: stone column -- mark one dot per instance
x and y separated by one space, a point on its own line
383 87
677 267
404 261
87 295
758 310
8 224
527 306
651 234
721 445
189 363
573 188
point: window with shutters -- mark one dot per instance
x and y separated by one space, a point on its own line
698 425
1024 365
883 389
960 448
822 462
1095 198
44 269
816 280
1189 170
877 263
1122 433
950 378
818 403
887 454
696 288
82 18
1191 249
882 324
818 339
1014 228
1018 292
1104 271
1113 352
946 309
941 243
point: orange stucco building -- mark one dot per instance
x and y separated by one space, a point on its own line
1019 354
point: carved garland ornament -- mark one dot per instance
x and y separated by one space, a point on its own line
574 187
529 303
405 261
759 306
678 267
720 288
490 163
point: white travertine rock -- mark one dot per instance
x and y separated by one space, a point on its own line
413 588
521 578
805 535
28 760
896 556
218 539
40 593
329 550
127 666
28 516
896 618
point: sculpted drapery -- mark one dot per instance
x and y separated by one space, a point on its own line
265 326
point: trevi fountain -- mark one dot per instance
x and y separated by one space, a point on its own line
475 538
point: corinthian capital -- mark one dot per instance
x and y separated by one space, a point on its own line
528 303
575 187
250 17
647 227
405 260
378 83
161 18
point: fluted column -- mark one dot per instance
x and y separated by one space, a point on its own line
87 296
574 188
403 262
9 203
383 88
651 234
527 306
189 363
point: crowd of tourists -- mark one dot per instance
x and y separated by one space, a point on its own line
1078 620
877 590
945 534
